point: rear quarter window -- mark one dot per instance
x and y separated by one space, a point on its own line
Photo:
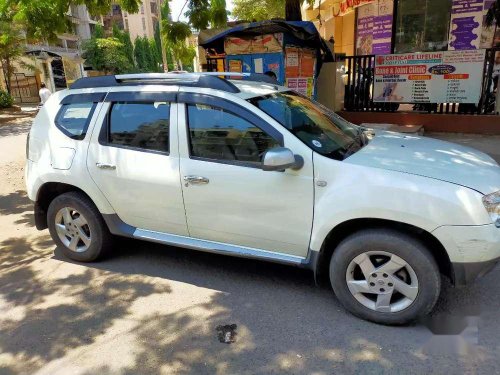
73 119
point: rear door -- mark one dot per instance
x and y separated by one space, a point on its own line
133 159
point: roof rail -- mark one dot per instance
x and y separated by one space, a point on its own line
182 79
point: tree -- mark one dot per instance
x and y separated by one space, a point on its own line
493 15
140 54
106 54
258 10
124 38
292 10
11 48
44 19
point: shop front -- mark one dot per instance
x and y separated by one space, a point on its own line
379 27
415 61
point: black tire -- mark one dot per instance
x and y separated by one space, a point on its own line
404 246
101 238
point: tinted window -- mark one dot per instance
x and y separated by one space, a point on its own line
140 125
73 119
221 135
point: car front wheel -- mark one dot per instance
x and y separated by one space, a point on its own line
385 276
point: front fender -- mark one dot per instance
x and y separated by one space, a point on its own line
358 192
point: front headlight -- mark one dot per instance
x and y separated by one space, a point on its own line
492 204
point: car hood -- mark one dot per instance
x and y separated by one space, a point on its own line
430 158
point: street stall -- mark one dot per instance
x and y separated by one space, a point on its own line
290 51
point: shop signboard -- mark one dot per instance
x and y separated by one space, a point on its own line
466 24
347 6
433 77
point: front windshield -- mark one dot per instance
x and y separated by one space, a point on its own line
315 125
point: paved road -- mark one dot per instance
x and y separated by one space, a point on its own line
153 309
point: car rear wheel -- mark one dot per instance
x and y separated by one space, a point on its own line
385 276
77 227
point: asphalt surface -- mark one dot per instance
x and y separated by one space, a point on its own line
151 309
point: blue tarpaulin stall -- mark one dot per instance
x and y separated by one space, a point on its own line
292 50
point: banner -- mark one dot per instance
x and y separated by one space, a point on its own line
432 77
257 44
465 24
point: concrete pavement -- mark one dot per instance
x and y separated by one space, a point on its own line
151 309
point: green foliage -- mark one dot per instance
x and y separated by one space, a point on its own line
6 100
218 13
199 14
258 10
44 19
106 54
140 54
205 13
493 15
11 45
124 38
175 32
147 55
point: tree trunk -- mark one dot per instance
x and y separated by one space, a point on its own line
292 10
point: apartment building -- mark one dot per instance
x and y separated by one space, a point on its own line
143 23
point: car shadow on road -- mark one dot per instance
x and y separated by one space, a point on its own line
165 304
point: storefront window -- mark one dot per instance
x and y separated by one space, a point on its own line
422 25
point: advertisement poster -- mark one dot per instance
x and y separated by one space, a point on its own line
292 62
374 28
364 30
307 62
432 77
466 24
382 27
235 66
303 86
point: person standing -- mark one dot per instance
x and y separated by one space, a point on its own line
44 93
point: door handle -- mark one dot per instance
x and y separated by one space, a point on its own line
105 166
196 180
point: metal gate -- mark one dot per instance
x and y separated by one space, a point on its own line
24 88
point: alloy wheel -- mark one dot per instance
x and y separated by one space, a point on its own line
73 229
382 281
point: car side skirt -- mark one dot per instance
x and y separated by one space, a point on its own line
118 227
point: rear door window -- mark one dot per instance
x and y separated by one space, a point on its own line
143 126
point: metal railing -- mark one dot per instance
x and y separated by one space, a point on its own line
359 84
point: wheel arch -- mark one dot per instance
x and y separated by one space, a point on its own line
345 229
46 194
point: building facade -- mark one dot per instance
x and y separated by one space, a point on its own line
364 27
145 21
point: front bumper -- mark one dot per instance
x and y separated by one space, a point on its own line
473 250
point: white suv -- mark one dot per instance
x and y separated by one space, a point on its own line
247 168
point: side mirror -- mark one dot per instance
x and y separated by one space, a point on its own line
281 158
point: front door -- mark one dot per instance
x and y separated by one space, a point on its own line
227 196
133 159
